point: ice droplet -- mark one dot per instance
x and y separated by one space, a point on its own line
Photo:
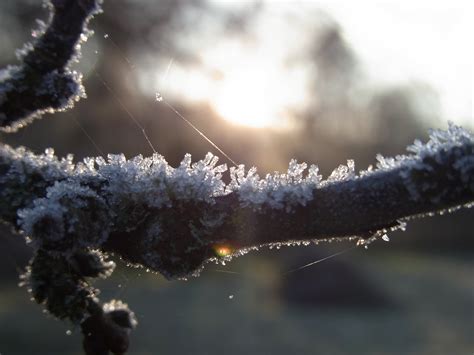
158 97
385 238
68 332
231 297
106 36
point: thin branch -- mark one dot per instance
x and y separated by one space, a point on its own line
43 82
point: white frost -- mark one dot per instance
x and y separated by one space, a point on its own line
275 190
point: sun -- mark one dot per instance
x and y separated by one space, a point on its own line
253 90
248 97
247 92
249 86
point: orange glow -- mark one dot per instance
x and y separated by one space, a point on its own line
222 250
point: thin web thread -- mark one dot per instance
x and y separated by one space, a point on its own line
132 117
89 137
298 268
197 130
160 98
121 52
319 260
139 125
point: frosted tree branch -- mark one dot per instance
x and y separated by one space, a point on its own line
43 82
175 220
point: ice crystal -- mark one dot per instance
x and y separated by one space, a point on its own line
343 172
91 263
424 157
148 196
279 191
42 27
440 140
24 162
57 221
44 80
154 181
120 314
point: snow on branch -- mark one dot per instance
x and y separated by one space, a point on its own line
174 220
43 82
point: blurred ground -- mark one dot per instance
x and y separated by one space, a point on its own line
241 314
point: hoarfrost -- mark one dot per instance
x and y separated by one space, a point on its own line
54 224
152 180
424 156
135 185
440 140
119 312
42 27
24 162
44 79
343 172
279 191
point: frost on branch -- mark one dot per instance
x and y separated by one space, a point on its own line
174 220
70 218
420 167
109 330
44 82
279 191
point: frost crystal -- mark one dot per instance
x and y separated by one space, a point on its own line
44 81
343 172
148 196
24 162
425 156
280 191
120 314
152 180
57 222
440 140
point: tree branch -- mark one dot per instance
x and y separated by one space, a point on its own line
44 82
175 220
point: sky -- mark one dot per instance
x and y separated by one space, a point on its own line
415 40
396 42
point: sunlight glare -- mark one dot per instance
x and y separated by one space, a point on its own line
222 250
249 96
242 85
